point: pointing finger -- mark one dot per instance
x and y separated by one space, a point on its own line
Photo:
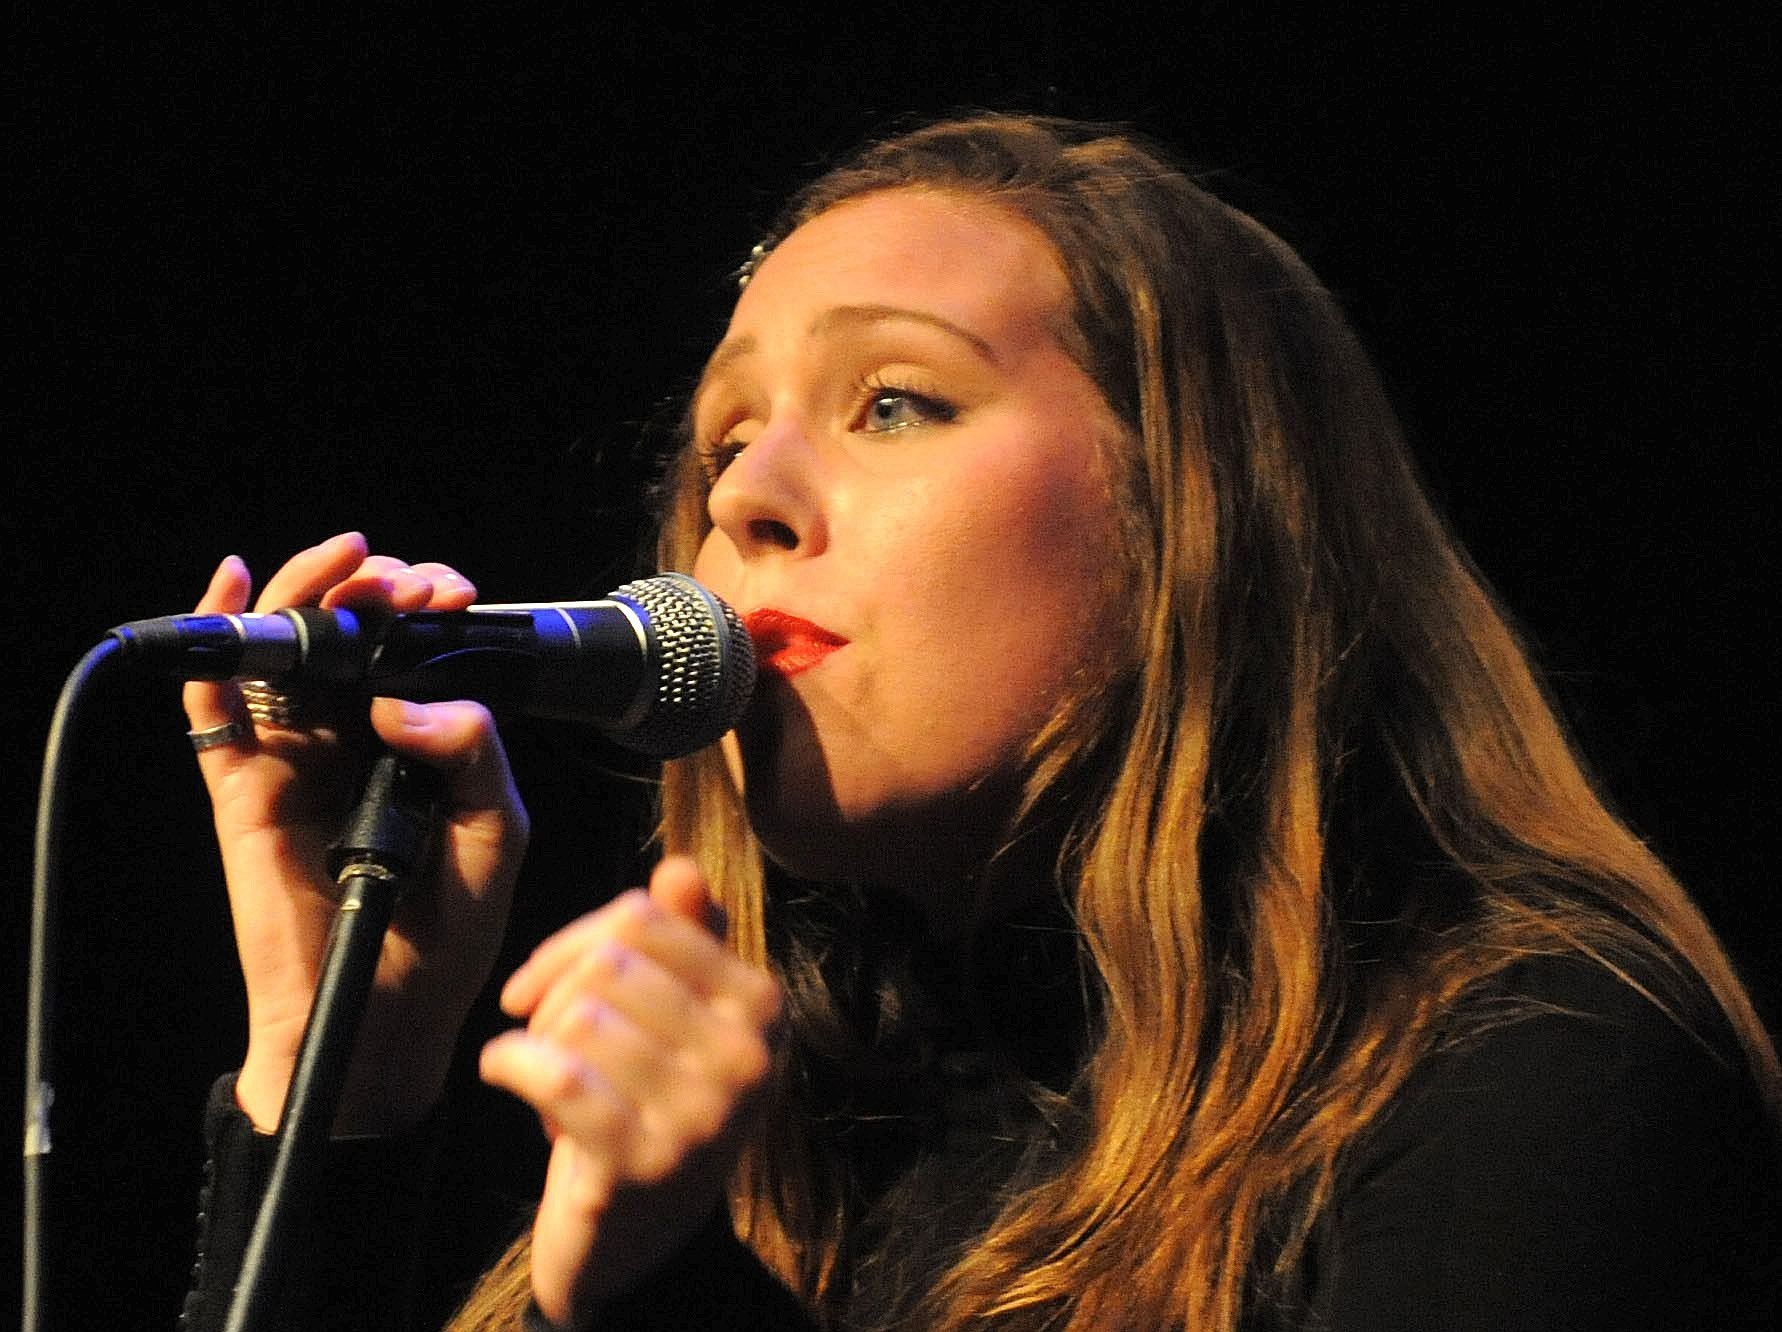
308 574
212 703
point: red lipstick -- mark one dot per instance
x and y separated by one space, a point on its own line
786 644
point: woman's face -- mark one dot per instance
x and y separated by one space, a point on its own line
911 510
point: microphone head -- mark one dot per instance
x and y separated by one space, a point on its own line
705 666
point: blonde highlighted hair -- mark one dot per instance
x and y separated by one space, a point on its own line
1323 801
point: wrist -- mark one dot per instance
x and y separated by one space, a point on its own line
383 1096
260 1089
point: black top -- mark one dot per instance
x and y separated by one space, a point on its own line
1582 1169
1588 1167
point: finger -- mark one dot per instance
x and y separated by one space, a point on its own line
669 977
227 592
527 985
647 1032
451 589
680 1098
634 1060
310 573
211 703
636 920
381 582
458 738
642 1143
562 1088
679 887
633 985
576 1180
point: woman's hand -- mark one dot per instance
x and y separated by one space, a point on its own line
279 796
647 1047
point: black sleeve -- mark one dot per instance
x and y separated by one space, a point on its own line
714 1281
354 1263
1589 1169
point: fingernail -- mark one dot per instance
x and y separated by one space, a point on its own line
413 715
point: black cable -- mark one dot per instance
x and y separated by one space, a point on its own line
52 803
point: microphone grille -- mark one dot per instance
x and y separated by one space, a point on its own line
705 666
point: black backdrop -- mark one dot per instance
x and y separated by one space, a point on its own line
441 279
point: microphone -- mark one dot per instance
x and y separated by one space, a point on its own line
661 665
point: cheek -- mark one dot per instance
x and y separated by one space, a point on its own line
1031 560
1013 587
715 565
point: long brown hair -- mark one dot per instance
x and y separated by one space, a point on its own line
1325 799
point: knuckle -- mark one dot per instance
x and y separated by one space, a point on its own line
565 1081
632 913
611 958
598 1114
654 1162
703 1114
763 998
581 1015
745 1061
754 1063
477 720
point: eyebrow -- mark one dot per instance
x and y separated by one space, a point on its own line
842 317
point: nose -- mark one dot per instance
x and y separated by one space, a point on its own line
769 500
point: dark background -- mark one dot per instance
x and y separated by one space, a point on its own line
443 279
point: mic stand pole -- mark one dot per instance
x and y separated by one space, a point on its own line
385 844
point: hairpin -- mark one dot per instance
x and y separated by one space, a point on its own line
753 262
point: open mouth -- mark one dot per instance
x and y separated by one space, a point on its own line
787 645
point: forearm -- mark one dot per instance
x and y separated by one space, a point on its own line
352 1259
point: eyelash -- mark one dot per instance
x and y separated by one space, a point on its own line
932 408
715 455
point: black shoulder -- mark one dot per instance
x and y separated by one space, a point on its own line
1581 1161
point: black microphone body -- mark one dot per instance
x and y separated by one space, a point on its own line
661 665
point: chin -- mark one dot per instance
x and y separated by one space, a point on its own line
822 820
918 847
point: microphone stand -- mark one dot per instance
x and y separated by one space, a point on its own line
385 844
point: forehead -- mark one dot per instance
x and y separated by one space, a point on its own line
960 258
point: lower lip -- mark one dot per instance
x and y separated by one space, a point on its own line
786 645
796 657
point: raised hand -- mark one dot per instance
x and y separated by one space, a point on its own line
647 1049
278 796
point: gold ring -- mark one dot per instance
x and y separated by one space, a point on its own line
272 707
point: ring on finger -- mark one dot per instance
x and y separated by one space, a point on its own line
273 707
213 736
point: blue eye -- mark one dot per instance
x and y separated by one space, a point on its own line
890 408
